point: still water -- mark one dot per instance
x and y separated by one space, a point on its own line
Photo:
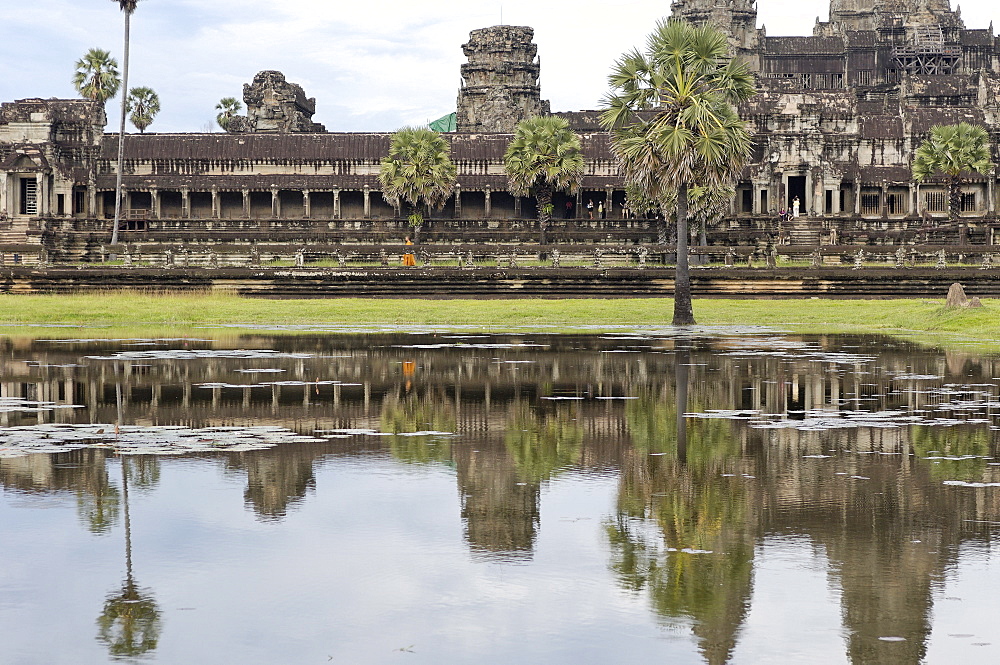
733 496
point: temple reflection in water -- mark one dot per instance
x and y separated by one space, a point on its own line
719 443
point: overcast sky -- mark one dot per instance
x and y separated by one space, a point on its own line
373 65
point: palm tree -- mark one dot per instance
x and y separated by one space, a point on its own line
543 158
143 104
953 150
96 76
418 171
227 108
673 124
128 8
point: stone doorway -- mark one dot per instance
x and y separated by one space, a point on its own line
797 188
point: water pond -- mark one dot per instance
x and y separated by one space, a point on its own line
725 496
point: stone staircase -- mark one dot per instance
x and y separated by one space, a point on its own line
803 231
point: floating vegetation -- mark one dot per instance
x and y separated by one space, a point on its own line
962 483
329 433
478 345
199 354
18 405
142 440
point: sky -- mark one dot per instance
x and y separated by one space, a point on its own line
375 65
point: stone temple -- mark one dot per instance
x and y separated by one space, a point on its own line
836 122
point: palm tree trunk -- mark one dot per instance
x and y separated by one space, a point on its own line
682 360
683 312
121 138
543 197
954 197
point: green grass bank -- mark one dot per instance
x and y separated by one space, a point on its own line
138 313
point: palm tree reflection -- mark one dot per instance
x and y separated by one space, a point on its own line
130 624
682 532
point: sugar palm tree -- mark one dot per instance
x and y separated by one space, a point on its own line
417 171
96 76
673 125
543 158
953 150
227 108
128 8
143 104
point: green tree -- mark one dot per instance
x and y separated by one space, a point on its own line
543 158
418 171
673 124
227 108
128 8
96 76
953 150
143 104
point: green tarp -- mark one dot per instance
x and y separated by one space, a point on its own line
445 124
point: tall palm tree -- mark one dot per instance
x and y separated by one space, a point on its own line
544 157
227 108
96 76
418 171
143 105
128 8
953 150
673 124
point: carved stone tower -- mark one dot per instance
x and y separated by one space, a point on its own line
736 18
275 106
500 80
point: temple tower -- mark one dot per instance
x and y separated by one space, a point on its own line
500 80
736 18
275 106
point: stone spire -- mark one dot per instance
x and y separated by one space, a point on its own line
736 18
500 80
275 106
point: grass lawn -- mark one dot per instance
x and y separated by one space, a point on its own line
137 313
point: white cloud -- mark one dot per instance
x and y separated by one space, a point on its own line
372 66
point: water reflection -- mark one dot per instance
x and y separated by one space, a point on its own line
720 445
130 626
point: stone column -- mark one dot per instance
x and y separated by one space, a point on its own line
608 202
91 201
579 204
991 204
154 202
216 207
368 202
857 197
818 207
40 191
275 204
913 199
185 203
517 207
336 204
246 203
4 196
126 204
306 206
486 212
458 201
883 200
